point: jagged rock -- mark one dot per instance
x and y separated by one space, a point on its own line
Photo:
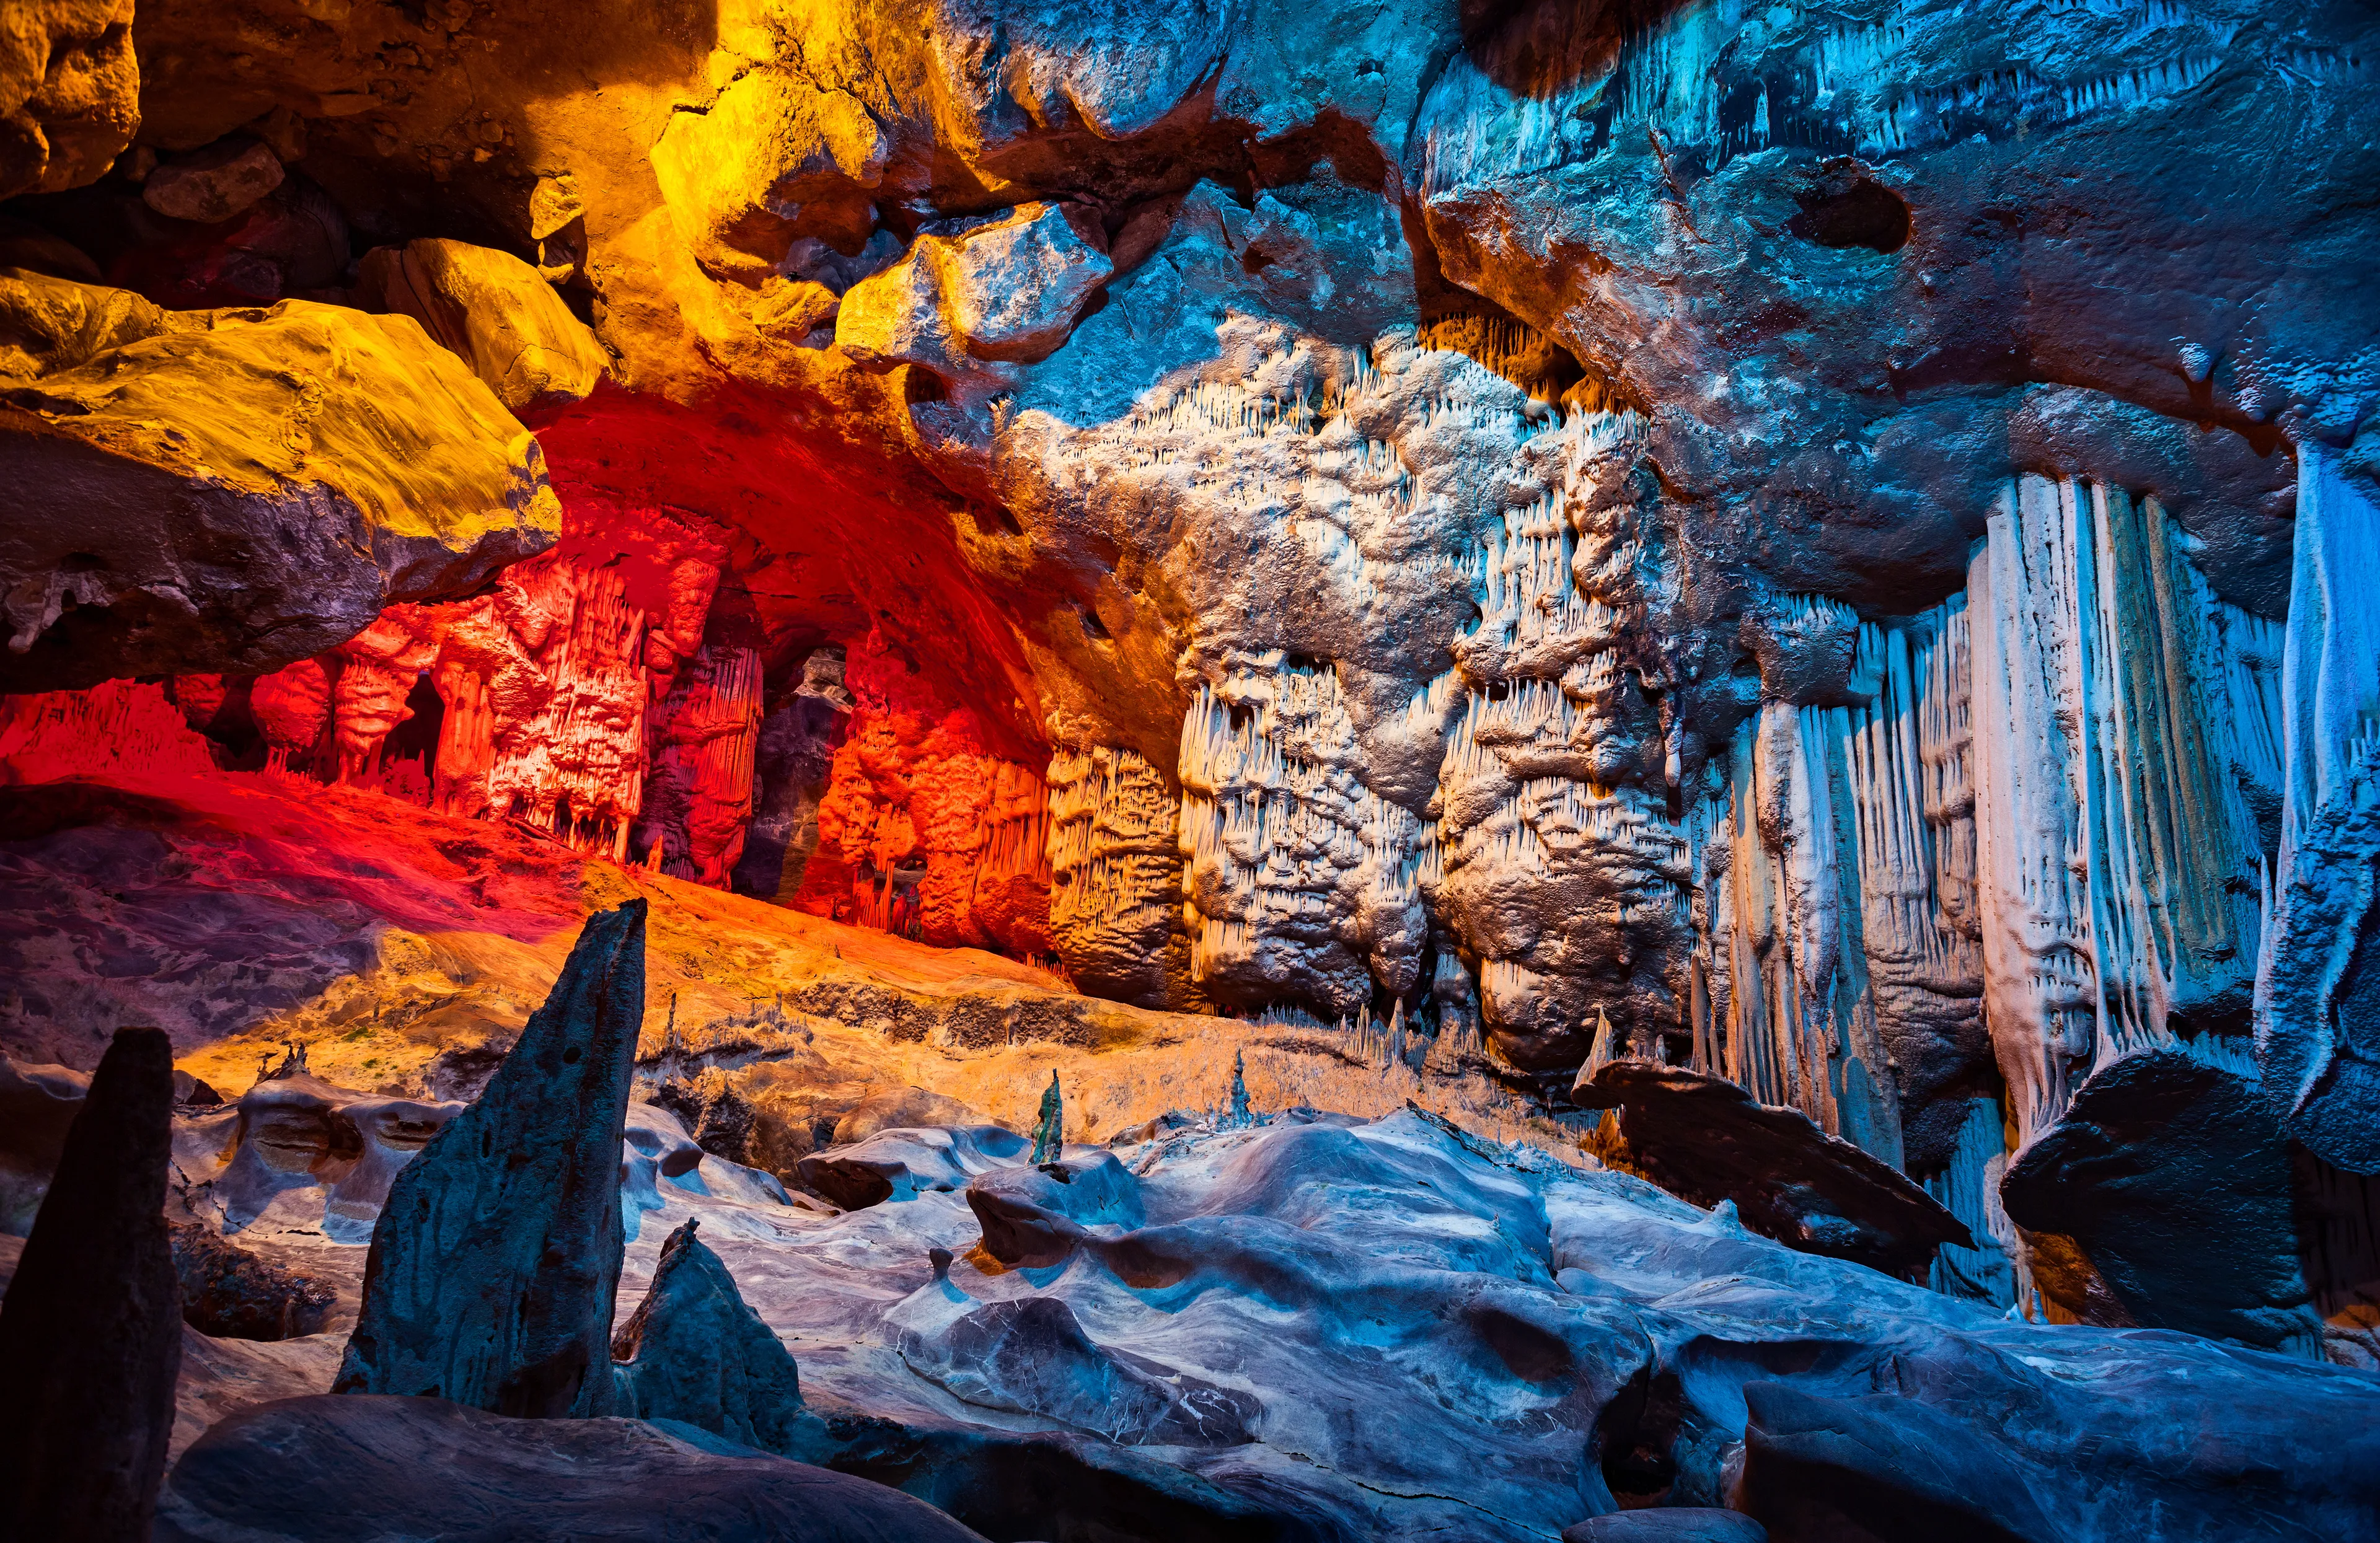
70 92
2162 1197
90 1330
1003 290
216 183
898 1164
1709 1140
494 311
330 1469
694 1351
1667 1524
369 464
494 1265
231 1294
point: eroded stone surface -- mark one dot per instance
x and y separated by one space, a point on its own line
319 1468
492 1280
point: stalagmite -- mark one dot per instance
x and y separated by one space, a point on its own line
90 1332
495 1261
695 1351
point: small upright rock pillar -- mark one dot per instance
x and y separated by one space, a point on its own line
90 1334
496 1262
1050 1130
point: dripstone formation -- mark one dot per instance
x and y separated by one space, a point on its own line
1770 603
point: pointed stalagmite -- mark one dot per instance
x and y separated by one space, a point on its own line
495 1267
90 1334
695 1351
1050 1130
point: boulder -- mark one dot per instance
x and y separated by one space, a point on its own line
91 1331
1005 290
213 184
328 1469
235 491
495 1267
492 311
2162 1197
70 92
694 1351
1709 1140
900 1163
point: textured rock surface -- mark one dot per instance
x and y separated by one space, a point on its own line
693 1352
231 1294
1706 1139
495 1263
91 1330
1373 1329
1821 548
69 88
240 491
495 312
333 1468
1677 1524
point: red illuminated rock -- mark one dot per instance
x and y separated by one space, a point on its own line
921 831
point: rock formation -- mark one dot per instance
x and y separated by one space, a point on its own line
236 491
90 1330
495 1265
312 1470
231 1294
1798 574
1707 1139
695 1353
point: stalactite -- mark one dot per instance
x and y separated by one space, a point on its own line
2316 980
123 728
1565 877
698 796
2116 852
1300 883
923 832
